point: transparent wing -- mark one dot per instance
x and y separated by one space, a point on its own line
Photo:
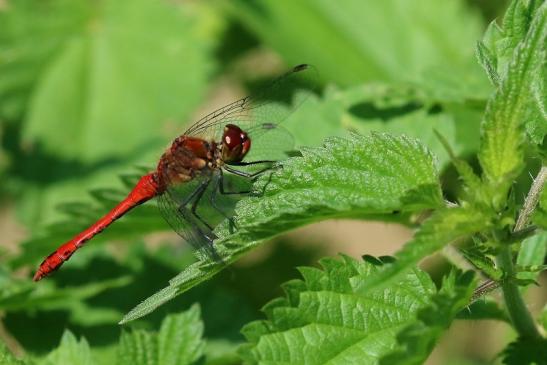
268 107
212 207
185 225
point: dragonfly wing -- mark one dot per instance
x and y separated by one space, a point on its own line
183 223
269 106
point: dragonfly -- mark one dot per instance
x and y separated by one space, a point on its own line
241 140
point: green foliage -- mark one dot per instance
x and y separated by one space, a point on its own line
531 256
526 352
418 339
354 32
443 227
88 79
501 154
177 343
399 175
540 216
406 129
70 351
356 328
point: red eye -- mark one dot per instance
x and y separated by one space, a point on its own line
232 136
235 144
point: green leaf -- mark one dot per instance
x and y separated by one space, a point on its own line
18 295
444 226
363 176
532 253
488 62
501 153
179 342
395 108
139 348
482 262
433 34
472 184
113 80
30 36
526 352
516 23
324 320
180 338
540 215
70 351
416 341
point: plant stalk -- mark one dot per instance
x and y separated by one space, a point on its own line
520 227
531 199
519 314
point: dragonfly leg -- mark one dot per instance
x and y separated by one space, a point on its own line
241 163
196 197
220 187
213 198
246 174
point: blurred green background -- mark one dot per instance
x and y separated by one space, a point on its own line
91 92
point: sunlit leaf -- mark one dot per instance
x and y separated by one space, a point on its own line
416 341
114 81
324 320
501 154
443 227
363 176
532 253
70 351
178 342
364 37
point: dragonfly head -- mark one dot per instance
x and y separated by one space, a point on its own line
235 144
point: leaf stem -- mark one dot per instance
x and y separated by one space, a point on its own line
519 314
531 199
520 227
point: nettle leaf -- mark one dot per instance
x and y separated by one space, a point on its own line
113 80
532 254
324 320
525 352
70 351
395 108
516 23
416 341
482 262
179 342
443 227
31 34
501 153
489 62
362 176
540 215
352 31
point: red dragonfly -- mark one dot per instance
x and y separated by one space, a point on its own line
198 163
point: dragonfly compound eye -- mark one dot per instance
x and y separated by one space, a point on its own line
235 144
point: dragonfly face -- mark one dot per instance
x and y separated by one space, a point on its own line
235 144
